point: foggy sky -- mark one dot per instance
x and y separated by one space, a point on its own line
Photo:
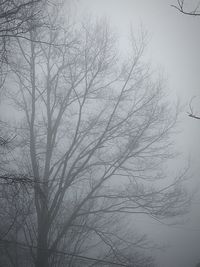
173 49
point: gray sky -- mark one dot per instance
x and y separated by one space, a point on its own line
174 41
173 49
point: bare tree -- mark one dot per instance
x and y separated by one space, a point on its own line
94 133
192 114
16 18
180 6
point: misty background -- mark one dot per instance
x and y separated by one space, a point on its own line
172 52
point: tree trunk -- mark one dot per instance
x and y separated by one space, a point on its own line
42 258
42 244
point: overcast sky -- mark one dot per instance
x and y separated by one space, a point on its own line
174 42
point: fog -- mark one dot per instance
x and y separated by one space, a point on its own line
99 168
173 46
